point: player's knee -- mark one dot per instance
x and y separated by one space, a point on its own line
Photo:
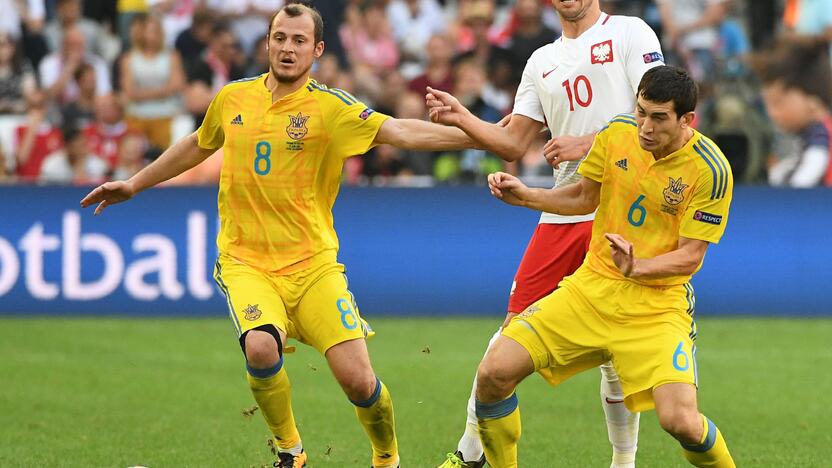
684 425
493 382
261 348
360 387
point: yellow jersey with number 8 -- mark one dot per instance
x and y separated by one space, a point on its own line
281 168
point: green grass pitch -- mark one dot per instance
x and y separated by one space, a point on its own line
171 393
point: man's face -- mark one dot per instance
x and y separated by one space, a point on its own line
659 128
789 109
225 46
292 48
572 10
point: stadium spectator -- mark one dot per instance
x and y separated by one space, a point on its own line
415 162
529 34
21 16
127 10
136 32
68 16
104 134
809 18
58 68
131 150
176 16
212 71
192 42
478 17
258 62
439 70
36 139
73 164
470 165
328 70
249 19
690 34
797 91
17 79
368 41
152 78
414 23
80 112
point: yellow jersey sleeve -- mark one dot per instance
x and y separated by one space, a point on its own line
210 134
355 129
592 167
707 213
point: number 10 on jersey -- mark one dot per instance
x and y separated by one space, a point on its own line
578 91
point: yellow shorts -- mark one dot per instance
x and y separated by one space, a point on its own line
312 306
647 332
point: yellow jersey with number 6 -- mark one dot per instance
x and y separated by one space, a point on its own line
652 203
281 168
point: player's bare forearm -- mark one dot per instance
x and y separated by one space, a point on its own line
421 135
579 198
680 262
510 142
183 155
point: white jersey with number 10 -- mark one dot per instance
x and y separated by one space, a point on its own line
575 86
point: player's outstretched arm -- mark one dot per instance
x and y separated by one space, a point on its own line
420 135
579 198
510 142
180 157
680 262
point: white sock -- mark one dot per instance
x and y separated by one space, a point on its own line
470 445
622 425
294 450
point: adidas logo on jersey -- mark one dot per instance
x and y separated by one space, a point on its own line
237 120
622 164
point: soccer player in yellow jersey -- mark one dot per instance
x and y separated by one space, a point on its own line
285 138
662 191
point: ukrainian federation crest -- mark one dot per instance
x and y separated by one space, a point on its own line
602 52
674 193
529 311
297 126
252 312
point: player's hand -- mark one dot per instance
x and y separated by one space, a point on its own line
622 253
108 194
566 148
443 108
507 188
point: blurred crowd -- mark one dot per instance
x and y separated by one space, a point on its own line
95 90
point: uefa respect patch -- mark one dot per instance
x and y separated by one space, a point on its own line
653 57
707 218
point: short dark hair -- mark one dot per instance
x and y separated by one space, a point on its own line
666 83
799 63
298 8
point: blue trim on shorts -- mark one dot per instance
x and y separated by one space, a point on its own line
710 440
265 373
224 290
373 398
498 409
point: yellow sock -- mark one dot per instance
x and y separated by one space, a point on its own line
274 397
712 451
376 415
499 425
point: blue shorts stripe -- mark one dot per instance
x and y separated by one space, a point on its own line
265 373
498 409
224 290
373 398
713 170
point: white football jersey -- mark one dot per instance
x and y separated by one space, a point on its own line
575 86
